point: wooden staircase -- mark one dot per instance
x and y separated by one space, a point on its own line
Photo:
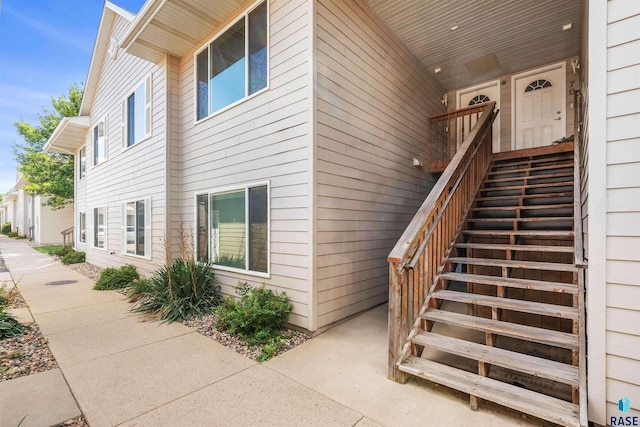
503 318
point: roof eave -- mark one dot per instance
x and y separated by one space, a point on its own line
68 136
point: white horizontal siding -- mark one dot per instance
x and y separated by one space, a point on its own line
373 100
128 174
263 138
623 208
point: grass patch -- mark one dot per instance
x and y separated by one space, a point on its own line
48 249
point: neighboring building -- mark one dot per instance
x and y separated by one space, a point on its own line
283 135
31 217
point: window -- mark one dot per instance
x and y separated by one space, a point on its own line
233 228
99 143
136 114
82 227
234 65
137 227
479 99
538 84
82 163
99 228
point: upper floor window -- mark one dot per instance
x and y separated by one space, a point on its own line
136 113
82 162
99 143
234 65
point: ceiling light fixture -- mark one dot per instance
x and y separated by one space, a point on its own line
437 70
453 27
567 27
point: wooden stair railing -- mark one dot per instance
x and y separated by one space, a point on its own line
67 234
418 256
447 133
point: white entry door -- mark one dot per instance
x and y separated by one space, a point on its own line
539 114
484 92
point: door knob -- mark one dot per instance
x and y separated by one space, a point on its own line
558 118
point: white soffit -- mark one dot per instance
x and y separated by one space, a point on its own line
522 34
176 26
69 136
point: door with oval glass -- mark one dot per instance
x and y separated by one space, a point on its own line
539 113
484 92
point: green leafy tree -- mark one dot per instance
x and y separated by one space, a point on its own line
48 174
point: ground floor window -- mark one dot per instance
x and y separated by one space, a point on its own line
82 227
136 227
232 228
99 227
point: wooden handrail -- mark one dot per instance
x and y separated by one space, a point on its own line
447 132
420 253
65 233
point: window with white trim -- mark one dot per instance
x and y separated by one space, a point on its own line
233 228
82 162
82 227
235 64
136 114
99 143
137 227
99 228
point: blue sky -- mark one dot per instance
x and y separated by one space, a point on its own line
45 46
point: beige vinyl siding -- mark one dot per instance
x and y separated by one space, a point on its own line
623 208
263 138
135 173
373 98
52 222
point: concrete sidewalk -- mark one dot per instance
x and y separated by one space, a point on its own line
119 370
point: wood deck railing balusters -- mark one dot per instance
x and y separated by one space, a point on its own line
420 253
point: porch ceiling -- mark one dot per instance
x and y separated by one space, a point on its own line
176 26
521 34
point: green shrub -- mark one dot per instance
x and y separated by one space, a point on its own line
21 236
116 278
12 234
139 287
257 317
62 251
180 291
9 325
73 257
6 228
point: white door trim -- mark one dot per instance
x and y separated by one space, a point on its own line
563 66
490 83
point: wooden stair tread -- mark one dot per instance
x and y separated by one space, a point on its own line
529 233
535 366
526 207
526 219
529 177
527 401
551 310
533 265
558 194
528 186
529 160
524 248
513 330
512 282
567 164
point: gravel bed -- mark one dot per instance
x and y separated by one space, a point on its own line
18 301
206 326
74 422
25 355
88 270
